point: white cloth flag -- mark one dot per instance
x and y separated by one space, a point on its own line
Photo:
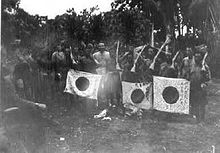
83 84
137 94
171 95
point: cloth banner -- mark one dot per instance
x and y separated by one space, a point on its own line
171 95
137 94
83 84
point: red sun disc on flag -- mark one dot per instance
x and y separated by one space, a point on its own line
82 83
170 95
137 96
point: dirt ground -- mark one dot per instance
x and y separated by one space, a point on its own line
156 132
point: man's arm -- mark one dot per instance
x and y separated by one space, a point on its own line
94 57
123 56
182 66
53 59
207 73
20 102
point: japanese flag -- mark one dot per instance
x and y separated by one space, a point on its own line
137 94
83 84
171 94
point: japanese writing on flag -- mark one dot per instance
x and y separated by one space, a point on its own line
171 94
137 94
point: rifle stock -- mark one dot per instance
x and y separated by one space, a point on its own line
117 62
174 58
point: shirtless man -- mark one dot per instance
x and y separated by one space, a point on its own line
87 62
198 82
187 63
102 59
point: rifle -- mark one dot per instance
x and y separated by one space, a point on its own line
174 58
168 39
203 61
117 62
134 66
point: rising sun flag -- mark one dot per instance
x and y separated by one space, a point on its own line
137 94
83 84
171 95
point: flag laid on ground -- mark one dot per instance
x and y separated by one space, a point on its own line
137 94
171 95
83 84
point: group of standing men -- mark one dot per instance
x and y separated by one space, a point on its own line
190 65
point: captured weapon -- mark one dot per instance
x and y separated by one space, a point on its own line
174 58
160 50
117 62
203 61
134 66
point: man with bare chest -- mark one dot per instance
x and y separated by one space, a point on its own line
102 59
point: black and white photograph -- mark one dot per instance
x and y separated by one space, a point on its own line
110 76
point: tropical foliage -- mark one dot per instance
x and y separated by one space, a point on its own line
190 22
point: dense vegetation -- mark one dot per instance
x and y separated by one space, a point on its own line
189 22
